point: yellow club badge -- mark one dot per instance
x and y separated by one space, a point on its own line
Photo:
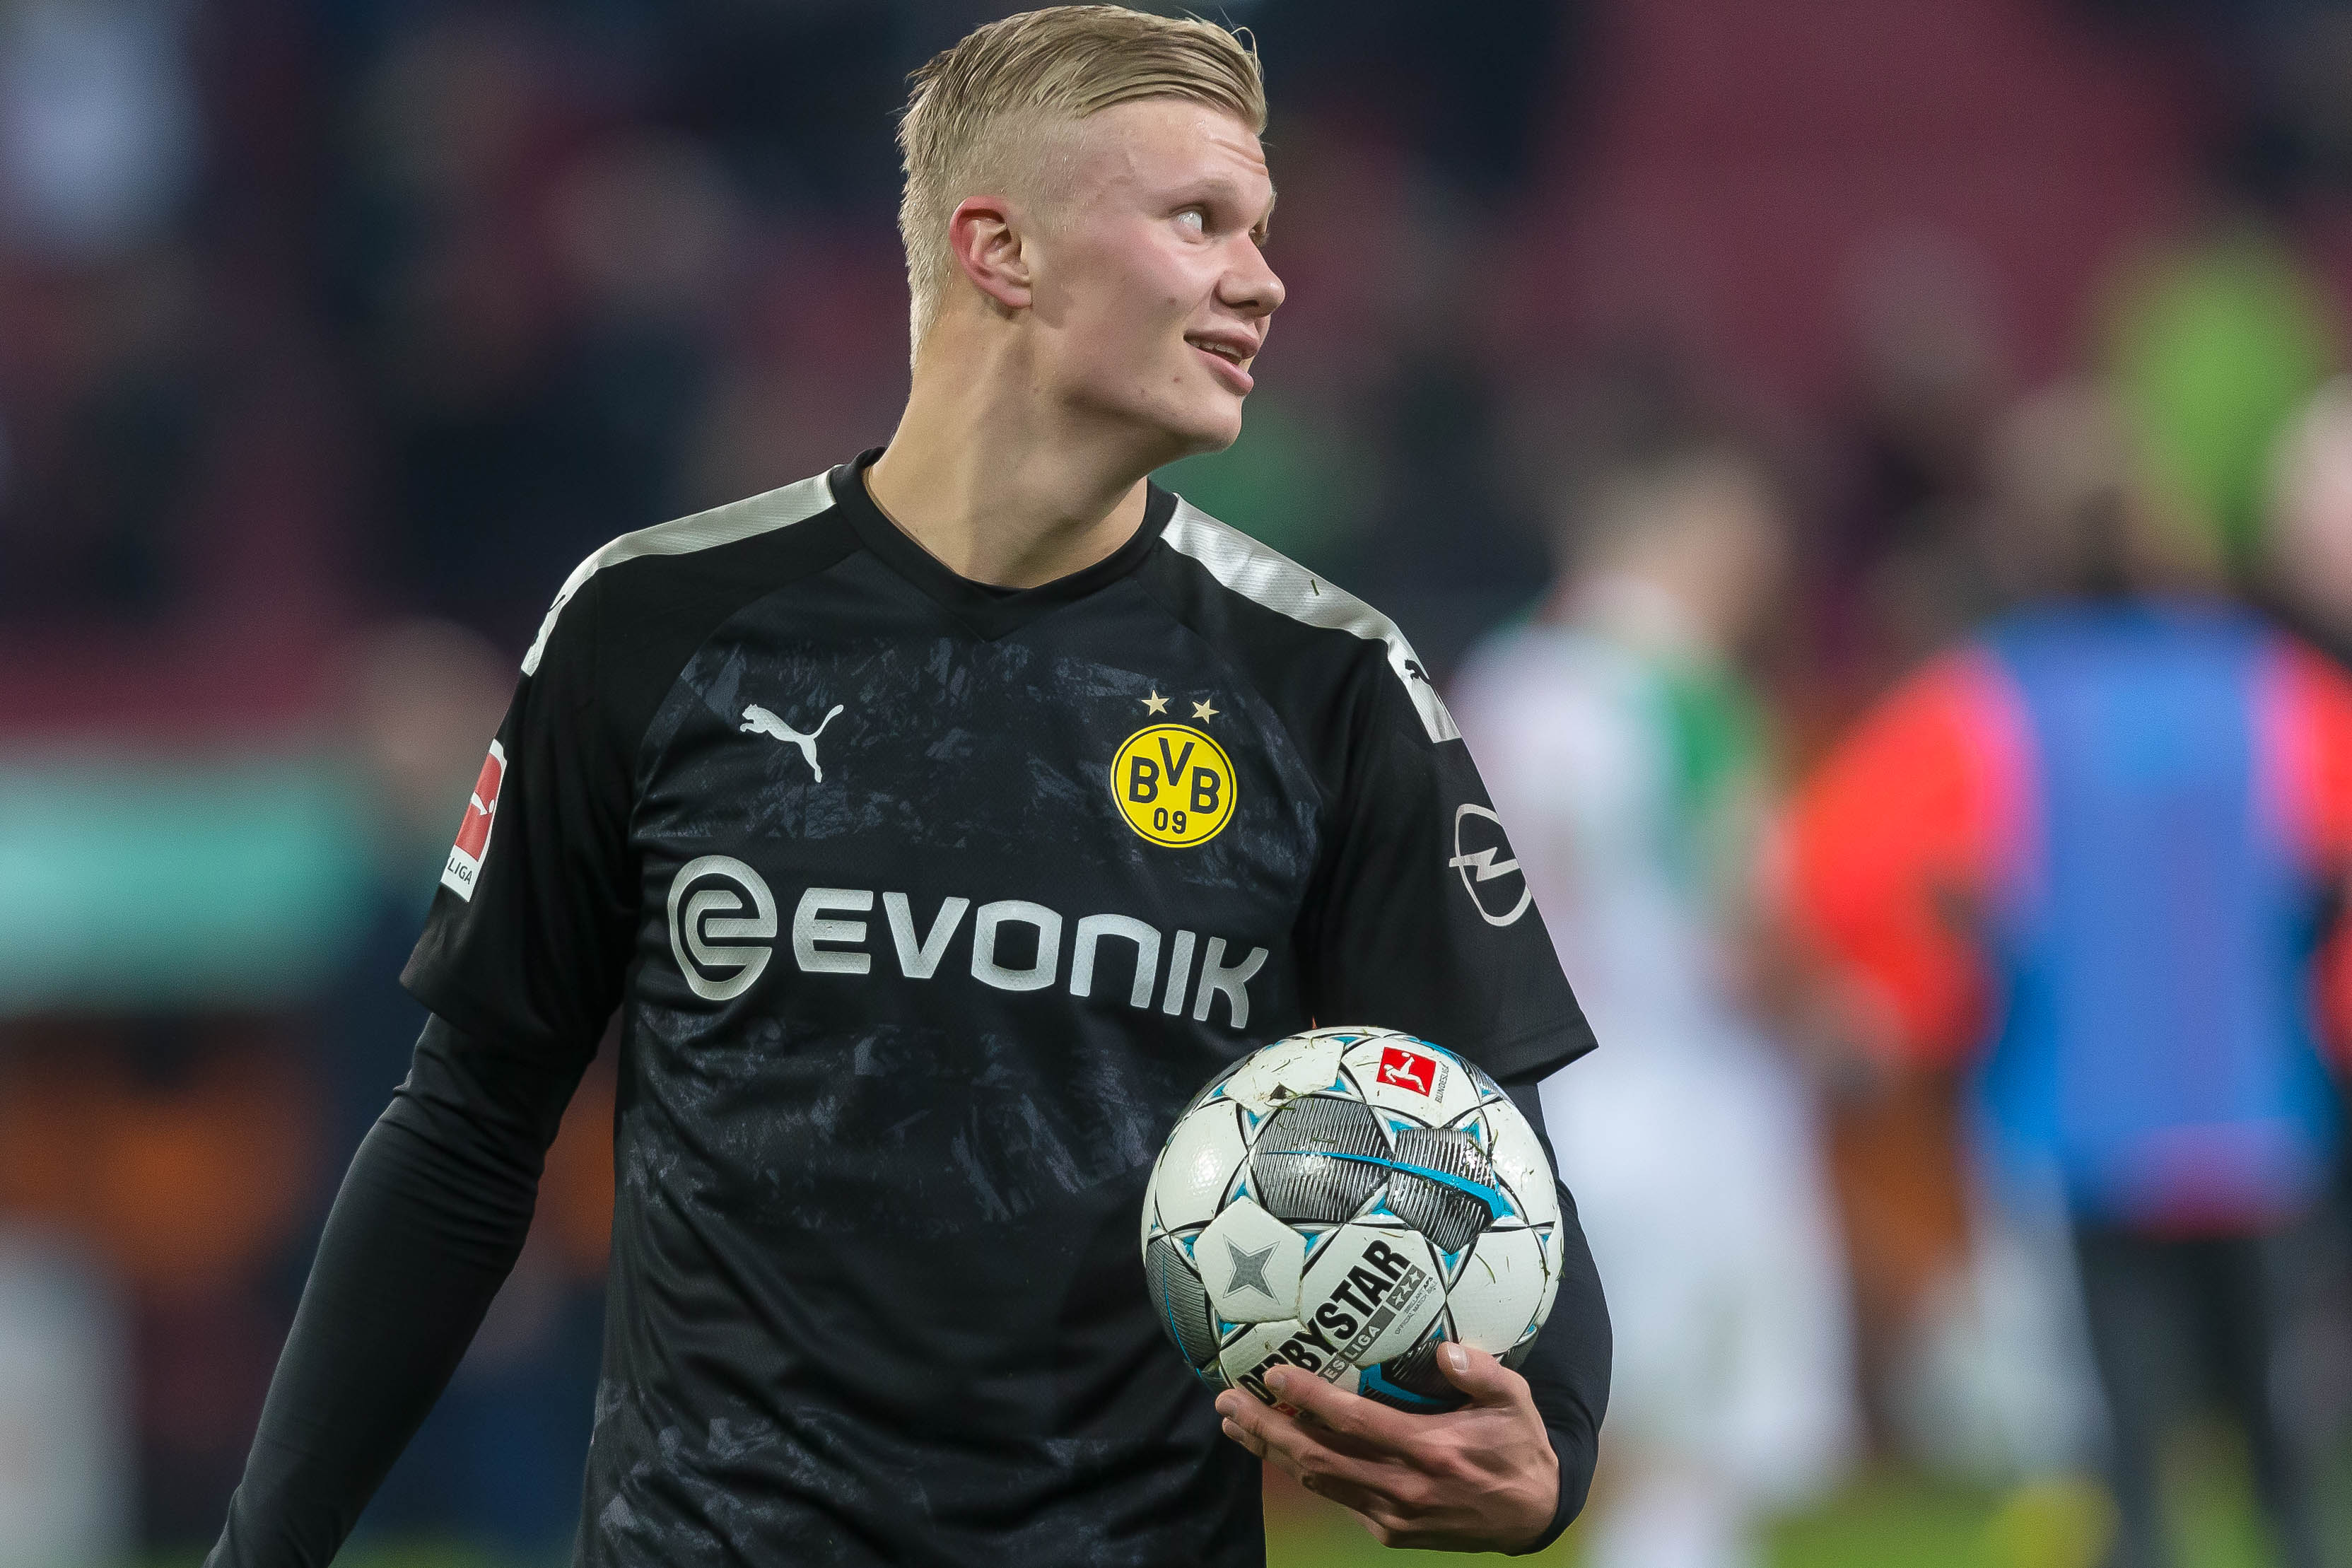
1173 784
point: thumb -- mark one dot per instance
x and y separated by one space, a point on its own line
1485 1380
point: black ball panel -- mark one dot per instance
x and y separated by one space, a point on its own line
1319 1160
1181 1300
1420 1386
1448 1216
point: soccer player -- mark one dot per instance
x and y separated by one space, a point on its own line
937 824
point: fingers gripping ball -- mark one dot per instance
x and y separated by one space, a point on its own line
1348 1200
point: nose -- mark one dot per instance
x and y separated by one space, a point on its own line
1250 285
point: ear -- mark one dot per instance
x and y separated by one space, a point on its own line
985 238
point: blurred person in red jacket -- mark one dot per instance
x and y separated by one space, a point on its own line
2090 858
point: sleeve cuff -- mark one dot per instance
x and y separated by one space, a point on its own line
1540 1053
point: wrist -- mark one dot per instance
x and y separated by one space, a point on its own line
1548 1504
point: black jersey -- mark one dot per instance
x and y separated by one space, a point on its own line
927 906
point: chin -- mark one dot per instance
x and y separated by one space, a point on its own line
1202 430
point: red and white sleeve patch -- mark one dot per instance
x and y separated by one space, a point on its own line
474 833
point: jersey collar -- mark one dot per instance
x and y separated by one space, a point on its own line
985 610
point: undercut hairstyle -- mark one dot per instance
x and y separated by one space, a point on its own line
998 96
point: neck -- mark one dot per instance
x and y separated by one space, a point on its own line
1000 481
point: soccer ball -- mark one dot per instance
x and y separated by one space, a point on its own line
1347 1200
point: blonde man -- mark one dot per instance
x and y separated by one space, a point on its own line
937 824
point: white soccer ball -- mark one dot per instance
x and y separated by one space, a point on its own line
1347 1200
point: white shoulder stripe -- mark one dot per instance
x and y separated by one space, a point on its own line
1269 578
719 525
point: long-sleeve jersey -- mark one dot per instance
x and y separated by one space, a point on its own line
925 907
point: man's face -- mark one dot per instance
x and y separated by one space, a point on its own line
1150 279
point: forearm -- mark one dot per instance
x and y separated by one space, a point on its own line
1568 1367
428 1223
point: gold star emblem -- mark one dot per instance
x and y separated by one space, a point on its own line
1155 703
1204 712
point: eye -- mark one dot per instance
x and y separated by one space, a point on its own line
1193 221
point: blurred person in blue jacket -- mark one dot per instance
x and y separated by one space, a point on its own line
1623 746
2090 860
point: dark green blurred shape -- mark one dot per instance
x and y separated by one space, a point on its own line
1292 480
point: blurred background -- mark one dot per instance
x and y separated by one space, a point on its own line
1822 446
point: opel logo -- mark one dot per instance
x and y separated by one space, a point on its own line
1478 844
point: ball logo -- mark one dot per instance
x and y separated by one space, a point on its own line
720 930
1408 1069
1173 784
1477 841
465 863
1332 1337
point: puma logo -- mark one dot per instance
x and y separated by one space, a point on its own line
757 719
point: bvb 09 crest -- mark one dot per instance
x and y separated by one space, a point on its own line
1173 784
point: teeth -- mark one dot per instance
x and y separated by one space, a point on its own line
1220 351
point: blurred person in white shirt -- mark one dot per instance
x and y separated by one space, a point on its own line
1623 747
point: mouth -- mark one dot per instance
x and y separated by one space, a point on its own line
1230 362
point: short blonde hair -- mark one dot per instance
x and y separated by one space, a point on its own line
979 103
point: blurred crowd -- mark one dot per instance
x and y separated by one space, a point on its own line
1872 478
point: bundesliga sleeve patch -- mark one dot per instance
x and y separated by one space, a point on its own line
474 833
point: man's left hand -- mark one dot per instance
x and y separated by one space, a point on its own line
1480 1479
